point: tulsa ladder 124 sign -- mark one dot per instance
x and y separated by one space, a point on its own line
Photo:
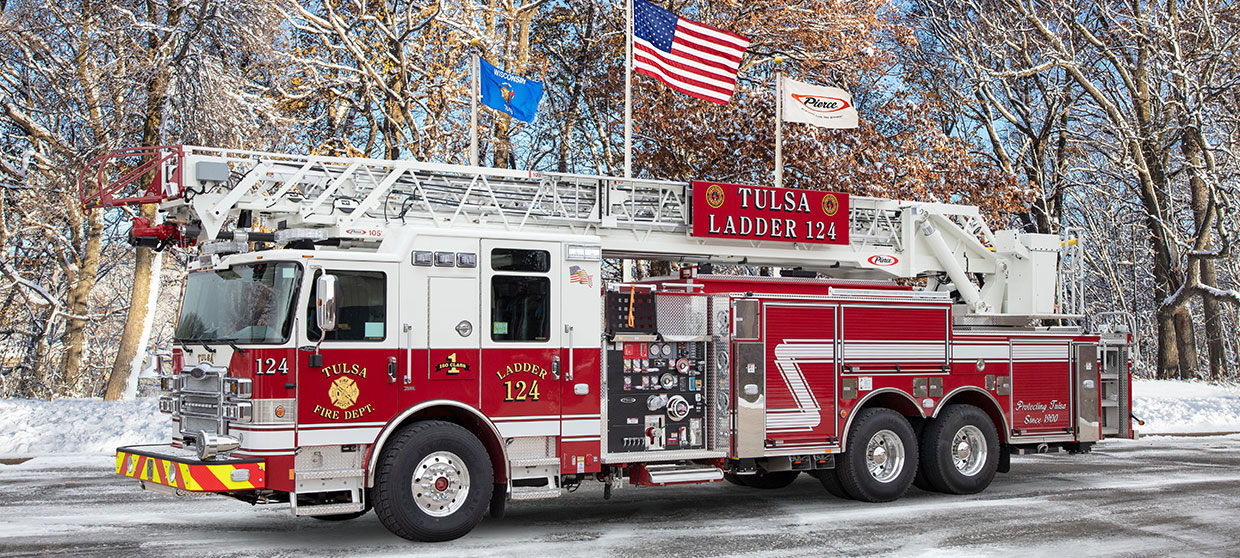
762 213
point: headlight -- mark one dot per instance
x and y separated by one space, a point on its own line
238 412
238 387
169 404
170 382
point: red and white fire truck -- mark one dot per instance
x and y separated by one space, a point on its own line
433 341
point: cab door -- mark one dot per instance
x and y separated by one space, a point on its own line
352 394
521 336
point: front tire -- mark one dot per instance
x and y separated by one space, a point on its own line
960 450
880 458
433 482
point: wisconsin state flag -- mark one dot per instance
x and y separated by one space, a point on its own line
512 94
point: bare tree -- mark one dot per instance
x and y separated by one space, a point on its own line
1152 79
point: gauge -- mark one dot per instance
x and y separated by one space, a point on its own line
682 365
677 408
668 381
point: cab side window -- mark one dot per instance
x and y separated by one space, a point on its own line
520 303
361 298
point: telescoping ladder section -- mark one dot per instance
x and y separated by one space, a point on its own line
633 217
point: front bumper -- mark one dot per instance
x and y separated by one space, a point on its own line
180 468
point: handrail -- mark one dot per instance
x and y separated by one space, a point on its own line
155 160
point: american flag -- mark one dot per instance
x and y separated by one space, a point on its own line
578 275
695 59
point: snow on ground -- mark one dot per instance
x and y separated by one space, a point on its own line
90 426
1169 406
34 427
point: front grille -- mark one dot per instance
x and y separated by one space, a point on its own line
199 401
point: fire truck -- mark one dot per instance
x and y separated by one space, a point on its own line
433 341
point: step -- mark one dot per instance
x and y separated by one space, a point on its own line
669 474
331 509
535 492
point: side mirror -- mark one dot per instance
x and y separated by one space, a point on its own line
325 303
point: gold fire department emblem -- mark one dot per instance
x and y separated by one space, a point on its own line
343 392
830 205
714 196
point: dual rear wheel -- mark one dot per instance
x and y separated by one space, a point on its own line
955 453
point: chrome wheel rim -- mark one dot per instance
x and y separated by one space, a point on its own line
440 484
884 456
969 450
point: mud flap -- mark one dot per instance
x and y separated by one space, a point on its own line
1005 458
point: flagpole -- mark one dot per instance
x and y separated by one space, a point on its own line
474 70
628 89
779 129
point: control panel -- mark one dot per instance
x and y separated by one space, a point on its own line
656 396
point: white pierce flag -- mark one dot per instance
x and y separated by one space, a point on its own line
828 107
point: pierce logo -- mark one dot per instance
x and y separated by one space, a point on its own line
824 105
883 260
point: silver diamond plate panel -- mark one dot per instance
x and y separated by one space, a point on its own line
312 458
681 317
718 370
534 447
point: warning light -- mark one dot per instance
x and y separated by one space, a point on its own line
280 412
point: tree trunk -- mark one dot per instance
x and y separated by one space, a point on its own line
79 303
135 322
1186 341
1200 201
1168 356
1213 325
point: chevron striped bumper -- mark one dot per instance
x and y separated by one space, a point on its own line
179 468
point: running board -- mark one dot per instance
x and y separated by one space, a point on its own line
658 475
329 509
534 492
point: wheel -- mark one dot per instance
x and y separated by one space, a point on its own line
960 450
831 482
433 482
734 479
770 481
920 480
880 458
499 500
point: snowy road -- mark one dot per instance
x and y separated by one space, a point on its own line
1153 497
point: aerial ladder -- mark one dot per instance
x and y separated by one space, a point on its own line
208 196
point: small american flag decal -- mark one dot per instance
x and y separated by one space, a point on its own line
578 275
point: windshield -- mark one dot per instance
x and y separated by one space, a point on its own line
244 304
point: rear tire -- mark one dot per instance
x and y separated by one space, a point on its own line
433 482
770 481
831 482
960 450
920 480
734 479
880 458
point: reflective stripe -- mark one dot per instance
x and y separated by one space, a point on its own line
197 477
